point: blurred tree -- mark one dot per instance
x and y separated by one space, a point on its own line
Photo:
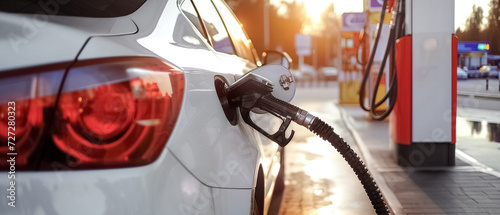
326 34
328 24
286 18
493 27
331 32
476 30
330 19
473 25
459 32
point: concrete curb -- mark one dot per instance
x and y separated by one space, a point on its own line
473 162
479 95
393 203
390 197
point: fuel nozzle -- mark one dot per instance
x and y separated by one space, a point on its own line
253 92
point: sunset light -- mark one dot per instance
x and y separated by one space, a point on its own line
314 8
464 7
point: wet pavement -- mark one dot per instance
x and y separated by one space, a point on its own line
318 181
478 135
470 187
317 178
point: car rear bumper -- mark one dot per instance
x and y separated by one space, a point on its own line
162 187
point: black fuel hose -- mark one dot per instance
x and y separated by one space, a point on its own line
397 31
326 132
370 61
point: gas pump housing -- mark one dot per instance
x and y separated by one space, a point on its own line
422 124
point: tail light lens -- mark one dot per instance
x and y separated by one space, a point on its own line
115 112
22 126
24 103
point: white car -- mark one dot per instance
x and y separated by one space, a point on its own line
488 71
109 107
328 74
306 73
461 74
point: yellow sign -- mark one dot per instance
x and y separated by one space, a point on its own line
349 92
347 34
374 18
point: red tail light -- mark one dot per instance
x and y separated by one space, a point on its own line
24 102
21 127
117 112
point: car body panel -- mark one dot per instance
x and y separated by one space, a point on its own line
216 152
28 40
494 74
305 73
461 74
227 201
216 145
206 162
328 73
473 73
162 187
488 71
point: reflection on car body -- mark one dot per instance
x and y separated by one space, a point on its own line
120 115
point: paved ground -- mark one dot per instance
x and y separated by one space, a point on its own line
318 180
468 188
478 133
472 187
478 85
472 93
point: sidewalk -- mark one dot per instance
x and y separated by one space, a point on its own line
478 88
468 188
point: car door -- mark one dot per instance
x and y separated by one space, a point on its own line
215 152
247 53
237 54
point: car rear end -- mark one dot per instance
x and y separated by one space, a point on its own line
461 74
117 114
87 136
484 71
494 72
328 73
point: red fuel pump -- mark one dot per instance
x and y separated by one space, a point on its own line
422 90
423 122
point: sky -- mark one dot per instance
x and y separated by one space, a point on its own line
341 6
462 8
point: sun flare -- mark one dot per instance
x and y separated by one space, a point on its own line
314 8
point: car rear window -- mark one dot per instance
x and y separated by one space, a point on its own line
82 8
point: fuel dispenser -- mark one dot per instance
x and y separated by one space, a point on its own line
422 87
351 44
368 37
423 123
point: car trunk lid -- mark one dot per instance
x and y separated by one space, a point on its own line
28 40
